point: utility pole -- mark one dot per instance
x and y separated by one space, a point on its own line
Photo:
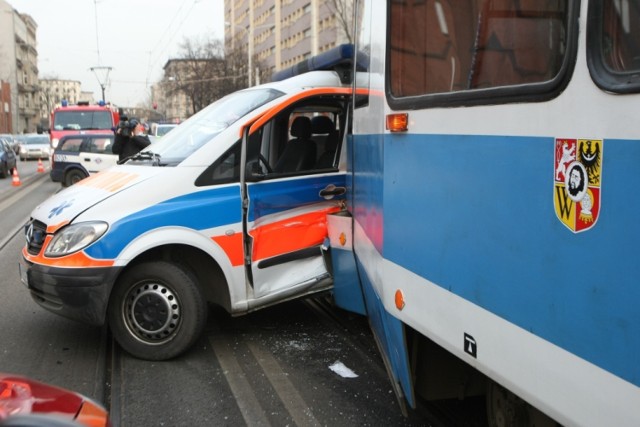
102 73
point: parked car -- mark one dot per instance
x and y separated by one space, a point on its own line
7 158
7 137
78 156
34 146
159 130
15 143
11 139
26 402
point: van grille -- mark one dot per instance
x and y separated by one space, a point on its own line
35 233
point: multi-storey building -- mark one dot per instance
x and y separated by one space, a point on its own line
188 85
53 91
261 38
277 34
171 102
19 67
6 122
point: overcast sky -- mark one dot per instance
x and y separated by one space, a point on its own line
133 37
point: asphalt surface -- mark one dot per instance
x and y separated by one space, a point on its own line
272 367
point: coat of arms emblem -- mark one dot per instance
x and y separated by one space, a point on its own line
577 182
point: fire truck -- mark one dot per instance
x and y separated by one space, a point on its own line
81 118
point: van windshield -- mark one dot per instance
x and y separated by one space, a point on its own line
200 128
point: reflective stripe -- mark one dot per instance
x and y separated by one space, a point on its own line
109 180
232 246
55 227
290 234
78 259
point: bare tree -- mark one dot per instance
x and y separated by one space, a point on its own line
197 75
237 60
203 72
343 11
236 68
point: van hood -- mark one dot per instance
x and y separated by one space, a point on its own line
61 208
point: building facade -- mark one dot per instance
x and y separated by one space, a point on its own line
6 119
171 103
261 38
280 33
189 85
53 91
19 67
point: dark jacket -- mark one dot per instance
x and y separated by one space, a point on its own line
125 146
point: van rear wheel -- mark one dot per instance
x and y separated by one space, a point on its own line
157 311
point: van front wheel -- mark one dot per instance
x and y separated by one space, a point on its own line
157 311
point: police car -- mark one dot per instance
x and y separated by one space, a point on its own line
78 156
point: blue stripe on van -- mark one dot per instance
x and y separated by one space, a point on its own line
213 208
475 215
275 196
199 210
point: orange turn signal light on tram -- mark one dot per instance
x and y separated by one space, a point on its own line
398 122
399 299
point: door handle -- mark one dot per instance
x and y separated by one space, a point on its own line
330 191
87 160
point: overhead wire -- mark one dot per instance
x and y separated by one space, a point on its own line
151 63
95 8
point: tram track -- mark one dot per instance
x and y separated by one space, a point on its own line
440 413
272 365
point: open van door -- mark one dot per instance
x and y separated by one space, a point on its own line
289 188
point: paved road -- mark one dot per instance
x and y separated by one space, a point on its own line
272 367
27 169
35 342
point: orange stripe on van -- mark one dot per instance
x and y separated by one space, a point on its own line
108 180
78 259
291 234
256 122
55 227
232 246
268 115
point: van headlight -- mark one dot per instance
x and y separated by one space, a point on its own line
75 237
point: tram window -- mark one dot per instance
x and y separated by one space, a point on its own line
445 46
621 35
613 41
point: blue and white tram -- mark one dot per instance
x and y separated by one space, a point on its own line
492 202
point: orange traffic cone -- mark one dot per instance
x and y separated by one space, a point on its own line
16 178
40 166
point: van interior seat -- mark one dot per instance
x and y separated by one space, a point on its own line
325 134
300 152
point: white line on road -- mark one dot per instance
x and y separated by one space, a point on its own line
9 201
289 395
246 399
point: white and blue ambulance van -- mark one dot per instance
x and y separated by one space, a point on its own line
229 208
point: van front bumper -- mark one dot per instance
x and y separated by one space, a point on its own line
80 294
